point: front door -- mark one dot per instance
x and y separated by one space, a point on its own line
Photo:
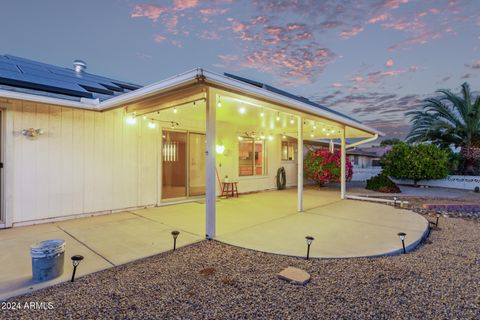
183 164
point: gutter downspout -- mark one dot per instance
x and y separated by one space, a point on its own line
375 137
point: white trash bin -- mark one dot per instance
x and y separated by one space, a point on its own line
47 259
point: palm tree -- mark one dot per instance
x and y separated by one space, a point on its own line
450 119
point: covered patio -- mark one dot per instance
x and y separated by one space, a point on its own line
206 130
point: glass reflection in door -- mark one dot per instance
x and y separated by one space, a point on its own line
197 164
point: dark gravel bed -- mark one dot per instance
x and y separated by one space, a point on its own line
439 280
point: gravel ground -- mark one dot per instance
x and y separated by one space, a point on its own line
439 280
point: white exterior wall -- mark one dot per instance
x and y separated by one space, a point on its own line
85 162
454 182
227 163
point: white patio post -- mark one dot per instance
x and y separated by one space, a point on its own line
300 164
342 165
211 190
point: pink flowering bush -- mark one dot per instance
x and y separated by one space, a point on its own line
323 166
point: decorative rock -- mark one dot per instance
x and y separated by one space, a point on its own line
294 275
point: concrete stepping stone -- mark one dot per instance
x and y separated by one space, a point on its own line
294 275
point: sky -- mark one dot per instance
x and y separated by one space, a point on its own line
370 59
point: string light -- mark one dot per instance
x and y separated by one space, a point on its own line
175 110
270 137
292 121
152 125
242 110
219 103
262 114
278 116
131 119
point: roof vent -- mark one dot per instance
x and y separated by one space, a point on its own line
79 65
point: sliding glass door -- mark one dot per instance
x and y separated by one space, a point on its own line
183 164
174 169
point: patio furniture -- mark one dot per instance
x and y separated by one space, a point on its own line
229 189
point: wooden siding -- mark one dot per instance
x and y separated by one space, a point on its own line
85 162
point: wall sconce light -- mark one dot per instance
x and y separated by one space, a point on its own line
220 148
32 133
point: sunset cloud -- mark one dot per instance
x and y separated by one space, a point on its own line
185 4
351 33
389 63
150 11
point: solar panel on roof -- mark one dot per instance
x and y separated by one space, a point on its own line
29 74
37 83
287 94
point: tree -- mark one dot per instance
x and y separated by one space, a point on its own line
390 142
323 166
416 162
448 120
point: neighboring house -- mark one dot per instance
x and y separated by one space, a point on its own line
76 144
367 157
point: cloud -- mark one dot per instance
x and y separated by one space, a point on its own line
443 80
351 33
379 18
293 65
210 35
389 63
388 109
150 11
474 65
394 4
159 38
185 4
336 85
466 76
213 11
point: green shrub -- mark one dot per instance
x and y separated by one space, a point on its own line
416 162
382 183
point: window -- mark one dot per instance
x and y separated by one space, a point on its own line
251 157
288 150
355 160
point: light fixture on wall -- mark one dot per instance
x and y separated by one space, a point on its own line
220 148
32 133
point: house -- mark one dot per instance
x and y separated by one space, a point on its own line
367 157
76 144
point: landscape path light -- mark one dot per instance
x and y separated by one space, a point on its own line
75 261
402 236
309 243
438 217
175 234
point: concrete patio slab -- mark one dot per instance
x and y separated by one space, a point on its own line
265 221
104 241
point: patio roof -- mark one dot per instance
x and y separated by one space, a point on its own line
33 81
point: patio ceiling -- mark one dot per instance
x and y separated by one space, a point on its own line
248 115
